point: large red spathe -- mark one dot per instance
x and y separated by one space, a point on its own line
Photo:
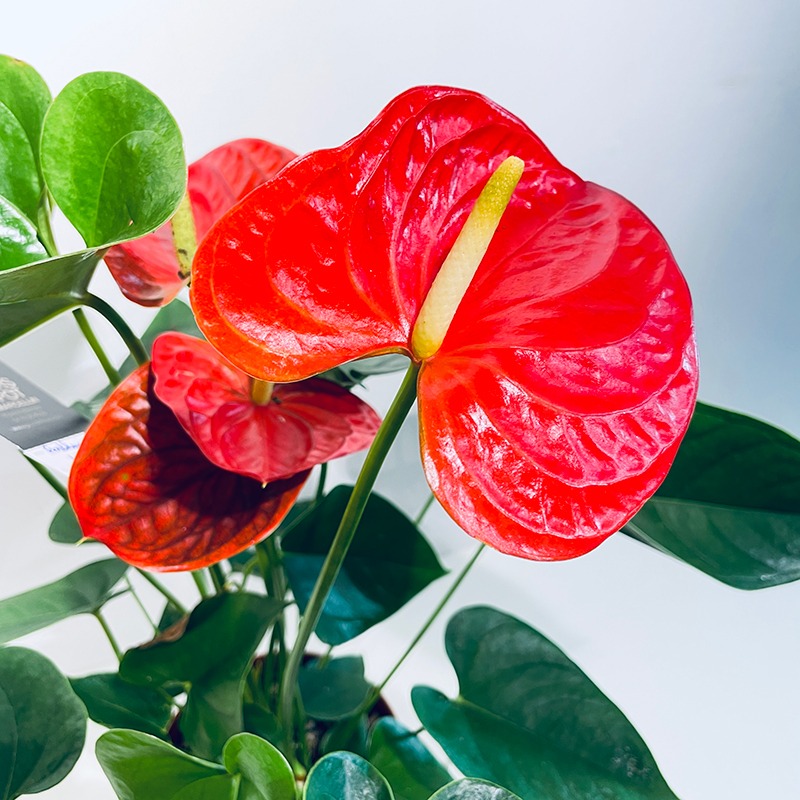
557 400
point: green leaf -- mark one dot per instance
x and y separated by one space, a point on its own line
262 722
527 718
266 774
141 767
213 657
346 734
470 789
113 158
355 372
345 776
80 592
64 527
412 772
24 98
730 505
116 703
42 724
33 293
333 690
18 242
388 563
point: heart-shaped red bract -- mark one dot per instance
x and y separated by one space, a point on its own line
147 269
142 487
302 425
567 378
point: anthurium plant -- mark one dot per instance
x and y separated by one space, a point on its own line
546 335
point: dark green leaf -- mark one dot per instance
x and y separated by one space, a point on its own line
345 776
470 789
730 505
80 592
24 98
262 722
116 703
412 772
527 718
18 242
42 724
64 528
335 689
388 563
355 372
112 157
266 774
213 656
141 767
347 734
170 616
33 293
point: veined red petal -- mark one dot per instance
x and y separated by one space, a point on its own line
141 486
303 424
147 269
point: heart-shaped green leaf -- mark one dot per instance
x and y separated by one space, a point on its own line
42 724
334 689
33 293
730 505
388 563
18 241
408 766
113 158
24 98
80 592
470 789
141 767
64 527
527 718
265 773
212 656
116 703
345 776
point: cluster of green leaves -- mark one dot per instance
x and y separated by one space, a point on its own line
107 152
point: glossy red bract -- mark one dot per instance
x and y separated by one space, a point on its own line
302 425
556 402
147 269
143 488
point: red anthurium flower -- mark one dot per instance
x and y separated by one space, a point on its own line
141 486
296 427
555 380
147 269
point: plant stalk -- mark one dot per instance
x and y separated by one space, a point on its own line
132 341
159 587
88 334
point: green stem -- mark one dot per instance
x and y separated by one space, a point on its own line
159 587
323 473
86 329
376 455
132 341
198 576
217 578
110 636
138 601
45 229
49 477
424 510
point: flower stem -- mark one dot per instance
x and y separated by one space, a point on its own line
88 334
138 601
109 635
425 508
199 578
132 341
323 473
376 455
217 578
159 587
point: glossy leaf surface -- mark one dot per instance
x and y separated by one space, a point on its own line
116 703
147 270
730 505
112 157
140 485
265 773
64 527
33 293
556 401
24 98
469 789
345 776
18 240
408 766
302 425
80 592
388 563
212 655
333 690
42 724
528 719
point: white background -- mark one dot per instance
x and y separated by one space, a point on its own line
688 108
